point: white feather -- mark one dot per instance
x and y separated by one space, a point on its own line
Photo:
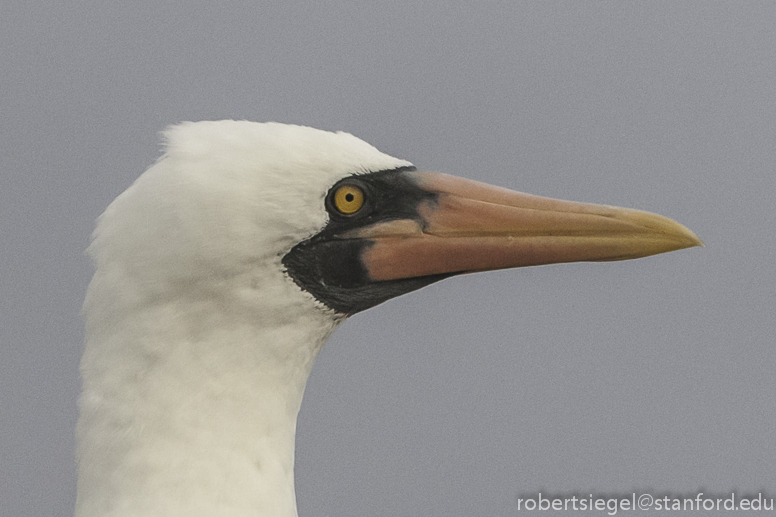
198 346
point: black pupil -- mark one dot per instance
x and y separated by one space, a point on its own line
349 197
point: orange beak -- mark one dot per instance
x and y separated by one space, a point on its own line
472 226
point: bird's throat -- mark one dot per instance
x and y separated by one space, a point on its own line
192 423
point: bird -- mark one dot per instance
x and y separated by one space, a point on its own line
224 268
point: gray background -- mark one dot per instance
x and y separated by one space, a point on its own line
651 374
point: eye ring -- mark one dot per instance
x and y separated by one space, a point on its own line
348 198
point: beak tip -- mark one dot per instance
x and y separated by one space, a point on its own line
671 230
691 239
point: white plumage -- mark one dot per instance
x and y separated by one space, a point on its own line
198 346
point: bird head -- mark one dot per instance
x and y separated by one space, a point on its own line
345 224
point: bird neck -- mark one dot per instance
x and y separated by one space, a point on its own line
190 410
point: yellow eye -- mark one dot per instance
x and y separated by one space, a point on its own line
348 199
